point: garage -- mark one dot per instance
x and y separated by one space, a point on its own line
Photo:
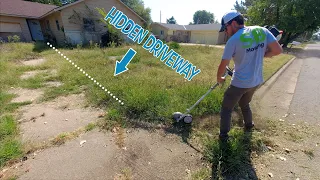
204 37
10 27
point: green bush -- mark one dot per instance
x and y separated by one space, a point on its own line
174 45
113 36
40 46
13 39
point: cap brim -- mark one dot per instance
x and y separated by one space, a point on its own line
222 28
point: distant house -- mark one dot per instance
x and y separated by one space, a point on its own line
198 33
77 22
21 18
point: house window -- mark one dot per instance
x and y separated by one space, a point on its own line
48 25
88 24
58 26
128 27
161 32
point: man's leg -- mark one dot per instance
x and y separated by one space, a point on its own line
244 104
230 99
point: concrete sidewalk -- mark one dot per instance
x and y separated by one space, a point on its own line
292 102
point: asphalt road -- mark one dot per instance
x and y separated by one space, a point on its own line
305 103
296 92
295 99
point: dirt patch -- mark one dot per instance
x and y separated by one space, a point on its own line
41 122
73 101
300 157
33 62
157 155
24 95
145 156
114 58
31 74
53 84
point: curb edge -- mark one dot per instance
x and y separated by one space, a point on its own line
268 83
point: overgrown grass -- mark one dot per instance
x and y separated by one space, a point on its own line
232 159
10 56
203 174
10 148
150 90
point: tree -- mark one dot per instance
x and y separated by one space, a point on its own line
171 21
293 17
203 17
53 2
242 7
138 7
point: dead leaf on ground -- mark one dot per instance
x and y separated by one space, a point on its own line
82 142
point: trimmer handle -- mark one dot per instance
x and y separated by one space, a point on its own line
229 71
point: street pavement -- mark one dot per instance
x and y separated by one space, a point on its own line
296 92
306 100
295 99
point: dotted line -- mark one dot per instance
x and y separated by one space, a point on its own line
86 74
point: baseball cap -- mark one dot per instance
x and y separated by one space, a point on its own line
228 17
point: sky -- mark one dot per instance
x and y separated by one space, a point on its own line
183 10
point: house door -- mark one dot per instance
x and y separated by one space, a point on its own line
35 29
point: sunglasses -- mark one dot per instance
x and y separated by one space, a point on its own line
225 26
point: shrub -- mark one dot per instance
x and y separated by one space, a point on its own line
112 35
14 39
174 45
79 46
40 46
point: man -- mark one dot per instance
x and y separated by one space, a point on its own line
247 46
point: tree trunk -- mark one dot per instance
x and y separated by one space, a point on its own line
289 37
285 39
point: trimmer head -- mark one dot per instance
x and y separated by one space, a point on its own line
187 119
178 116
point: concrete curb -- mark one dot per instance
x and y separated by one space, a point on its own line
267 84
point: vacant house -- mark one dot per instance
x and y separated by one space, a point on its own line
21 18
197 33
77 22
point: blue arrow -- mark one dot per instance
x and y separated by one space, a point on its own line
122 66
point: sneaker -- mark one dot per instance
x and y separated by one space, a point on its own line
248 128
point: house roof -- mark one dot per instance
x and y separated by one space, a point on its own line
204 27
173 26
78 1
195 27
20 8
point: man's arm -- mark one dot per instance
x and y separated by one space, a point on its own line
222 70
273 49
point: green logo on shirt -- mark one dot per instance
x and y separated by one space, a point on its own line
257 35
